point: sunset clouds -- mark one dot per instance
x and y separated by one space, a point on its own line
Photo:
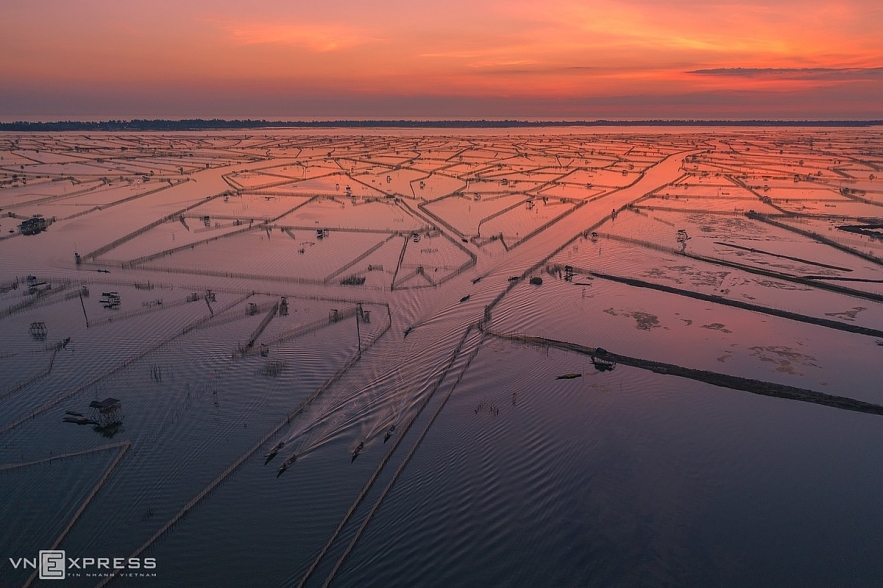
600 58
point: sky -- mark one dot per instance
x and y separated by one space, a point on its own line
556 59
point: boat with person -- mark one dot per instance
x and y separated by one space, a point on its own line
286 464
273 452
389 433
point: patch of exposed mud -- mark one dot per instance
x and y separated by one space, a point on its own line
848 315
645 321
717 327
781 285
785 358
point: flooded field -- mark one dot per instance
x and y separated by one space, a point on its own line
361 358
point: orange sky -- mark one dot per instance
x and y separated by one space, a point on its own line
560 58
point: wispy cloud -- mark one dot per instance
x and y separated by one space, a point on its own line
312 37
529 69
792 73
494 64
452 54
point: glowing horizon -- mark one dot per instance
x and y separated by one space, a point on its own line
598 59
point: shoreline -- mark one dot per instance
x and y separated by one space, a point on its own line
250 124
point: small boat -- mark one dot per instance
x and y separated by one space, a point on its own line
272 453
32 226
74 413
465 298
389 433
569 376
80 420
603 365
285 465
357 451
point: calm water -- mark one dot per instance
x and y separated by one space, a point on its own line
362 303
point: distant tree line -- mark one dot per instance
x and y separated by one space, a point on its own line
198 124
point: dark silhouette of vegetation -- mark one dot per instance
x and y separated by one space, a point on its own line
221 124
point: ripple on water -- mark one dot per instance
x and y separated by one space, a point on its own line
601 479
